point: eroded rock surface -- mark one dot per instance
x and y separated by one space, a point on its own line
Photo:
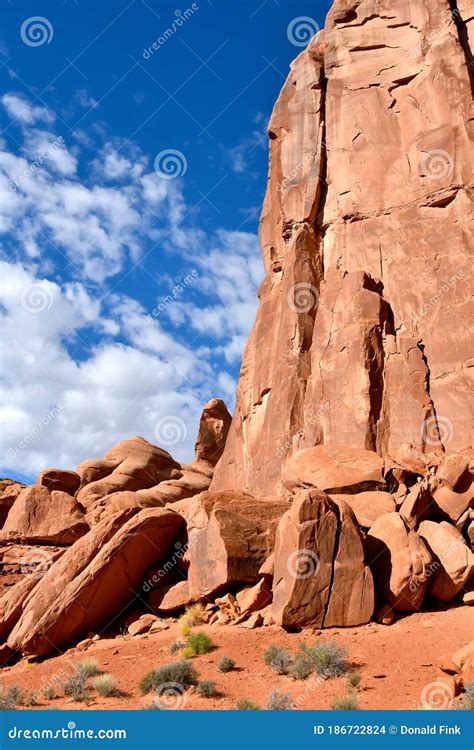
360 338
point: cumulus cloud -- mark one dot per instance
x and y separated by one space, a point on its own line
83 365
19 108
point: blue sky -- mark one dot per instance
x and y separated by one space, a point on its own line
133 161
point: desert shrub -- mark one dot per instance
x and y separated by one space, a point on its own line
304 663
349 702
226 664
11 697
48 693
106 685
353 680
88 668
245 704
200 643
194 615
279 659
155 706
180 673
277 701
74 687
187 653
207 688
176 646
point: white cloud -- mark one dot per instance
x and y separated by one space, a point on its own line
19 108
82 367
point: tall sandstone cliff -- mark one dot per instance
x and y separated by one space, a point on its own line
362 333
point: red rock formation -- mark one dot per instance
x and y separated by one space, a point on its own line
360 337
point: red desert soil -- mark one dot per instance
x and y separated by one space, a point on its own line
396 662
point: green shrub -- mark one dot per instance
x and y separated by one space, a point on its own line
176 646
326 659
106 685
226 664
244 704
279 659
75 687
188 653
194 615
200 643
180 673
207 688
11 697
88 668
348 702
353 680
277 701
48 693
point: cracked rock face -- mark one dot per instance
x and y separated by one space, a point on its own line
320 577
361 336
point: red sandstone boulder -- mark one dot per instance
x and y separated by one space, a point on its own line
453 564
213 428
138 465
417 506
400 563
368 506
334 469
91 599
43 517
60 480
170 598
320 577
254 598
230 536
9 491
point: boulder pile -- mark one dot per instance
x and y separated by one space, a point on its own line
342 489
